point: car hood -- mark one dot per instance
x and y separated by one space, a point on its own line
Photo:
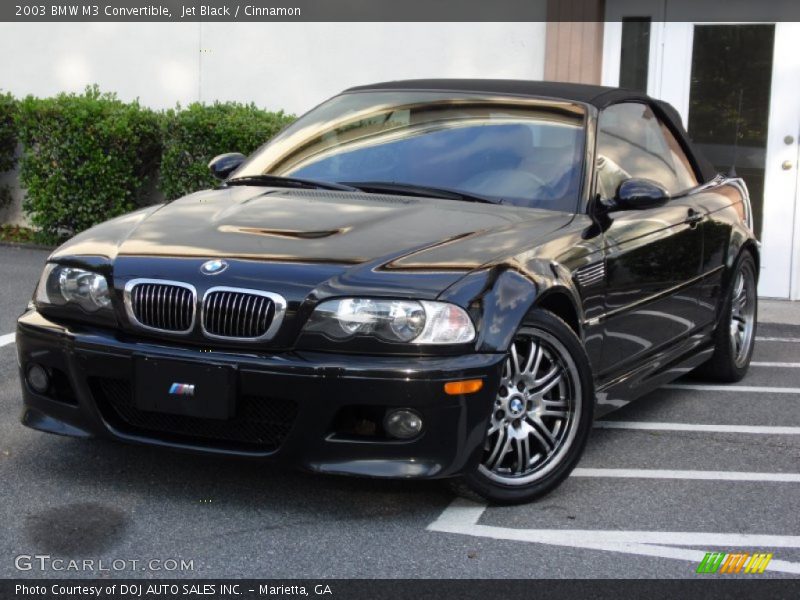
309 226
308 245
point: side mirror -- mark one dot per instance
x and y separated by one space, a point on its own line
223 165
639 194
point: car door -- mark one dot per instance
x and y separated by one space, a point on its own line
653 256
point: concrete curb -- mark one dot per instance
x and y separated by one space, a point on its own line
26 245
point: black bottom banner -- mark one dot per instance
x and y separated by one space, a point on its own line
369 589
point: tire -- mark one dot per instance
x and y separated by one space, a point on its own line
731 359
541 418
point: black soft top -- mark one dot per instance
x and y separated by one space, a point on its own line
595 95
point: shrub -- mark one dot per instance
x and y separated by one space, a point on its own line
8 132
197 133
85 158
8 143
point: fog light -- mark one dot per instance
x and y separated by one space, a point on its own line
38 378
403 423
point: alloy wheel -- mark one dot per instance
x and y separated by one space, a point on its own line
535 413
742 316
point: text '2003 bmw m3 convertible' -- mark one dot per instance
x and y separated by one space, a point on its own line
431 278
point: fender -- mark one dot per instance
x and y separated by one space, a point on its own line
499 299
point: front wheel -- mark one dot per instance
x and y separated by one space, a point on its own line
541 417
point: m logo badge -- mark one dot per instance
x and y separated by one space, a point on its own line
181 389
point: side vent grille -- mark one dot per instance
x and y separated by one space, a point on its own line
591 275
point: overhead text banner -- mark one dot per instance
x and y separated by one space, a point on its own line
377 10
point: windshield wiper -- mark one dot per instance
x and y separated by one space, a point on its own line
411 189
292 182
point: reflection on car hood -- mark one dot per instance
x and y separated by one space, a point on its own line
397 232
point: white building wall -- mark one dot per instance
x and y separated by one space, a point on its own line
292 66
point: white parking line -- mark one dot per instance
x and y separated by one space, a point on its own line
760 338
654 426
674 474
462 517
7 339
784 365
732 388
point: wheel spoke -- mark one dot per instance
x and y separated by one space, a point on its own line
533 355
500 449
523 453
557 408
548 381
515 368
540 431
555 413
739 287
740 301
554 402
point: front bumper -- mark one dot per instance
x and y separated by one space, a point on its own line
288 405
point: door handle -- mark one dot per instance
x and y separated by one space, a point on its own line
693 217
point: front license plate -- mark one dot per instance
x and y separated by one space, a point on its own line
184 388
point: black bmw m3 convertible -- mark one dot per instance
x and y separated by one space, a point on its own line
430 279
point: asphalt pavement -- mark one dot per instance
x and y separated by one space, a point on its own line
689 469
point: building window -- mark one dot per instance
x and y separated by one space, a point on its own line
635 55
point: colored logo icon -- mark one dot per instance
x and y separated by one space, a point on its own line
181 389
742 562
213 267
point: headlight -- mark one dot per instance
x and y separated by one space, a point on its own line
409 321
61 285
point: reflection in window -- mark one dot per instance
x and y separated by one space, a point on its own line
524 152
729 101
632 142
683 168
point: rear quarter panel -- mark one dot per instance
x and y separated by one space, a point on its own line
725 234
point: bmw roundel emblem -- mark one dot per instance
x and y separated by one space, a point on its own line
213 267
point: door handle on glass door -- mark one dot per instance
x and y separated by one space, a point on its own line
786 165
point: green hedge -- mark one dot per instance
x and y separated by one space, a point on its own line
196 134
8 132
85 158
8 142
88 157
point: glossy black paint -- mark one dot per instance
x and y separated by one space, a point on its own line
640 194
641 288
224 164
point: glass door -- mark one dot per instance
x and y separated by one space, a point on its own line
737 88
729 97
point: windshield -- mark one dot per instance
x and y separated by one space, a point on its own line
519 151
